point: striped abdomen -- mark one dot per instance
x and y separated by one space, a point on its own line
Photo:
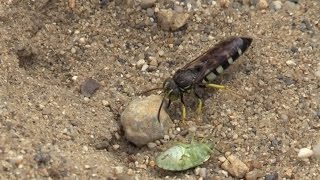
223 55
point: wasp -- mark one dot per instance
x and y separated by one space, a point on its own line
202 71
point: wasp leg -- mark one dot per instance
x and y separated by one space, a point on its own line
216 86
223 87
200 102
183 110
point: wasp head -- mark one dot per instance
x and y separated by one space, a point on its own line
171 89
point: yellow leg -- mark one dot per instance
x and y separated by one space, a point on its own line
200 104
223 87
184 113
216 86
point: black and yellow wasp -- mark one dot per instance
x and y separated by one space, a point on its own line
202 71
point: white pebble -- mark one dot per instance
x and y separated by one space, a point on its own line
291 63
144 67
305 153
140 63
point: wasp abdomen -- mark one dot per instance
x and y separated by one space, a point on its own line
225 54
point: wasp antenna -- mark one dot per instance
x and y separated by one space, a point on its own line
149 90
158 116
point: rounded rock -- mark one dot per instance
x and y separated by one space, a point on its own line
172 20
140 121
276 5
305 153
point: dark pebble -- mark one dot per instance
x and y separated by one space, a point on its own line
103 2
294 49
42 158
273 176
102 145
294 1
89 87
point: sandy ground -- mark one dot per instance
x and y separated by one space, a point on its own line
49 130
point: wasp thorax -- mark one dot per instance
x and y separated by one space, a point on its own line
171 89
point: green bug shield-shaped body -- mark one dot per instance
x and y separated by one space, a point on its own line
184 156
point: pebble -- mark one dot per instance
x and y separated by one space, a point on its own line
288 5
224 3
144 67
262 4
305 153
140 123
254 174
316 150
291 63
118 170
222 159
166 137
235 166
147 3
171 20
288 173
150 12
273 176
202 172
89 87
151 145
116 146
140 63
276 5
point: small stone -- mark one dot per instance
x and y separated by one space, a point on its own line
288 173
262 4
170 20
42 158
166 137
105 103
290 6
130 172
74 78
291 63
140 123
222 159
203 172
235 166
140 63
276 5
116 146
305 153
73 50
147 3
87 166
152 145
273 176
82 40
316 150
118 170
317 74
150 12
144 67
154 62
255 174
89 87
152 164
197 171
224 3
161 53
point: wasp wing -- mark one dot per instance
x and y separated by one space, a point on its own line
208 55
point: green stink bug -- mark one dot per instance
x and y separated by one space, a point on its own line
184 156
